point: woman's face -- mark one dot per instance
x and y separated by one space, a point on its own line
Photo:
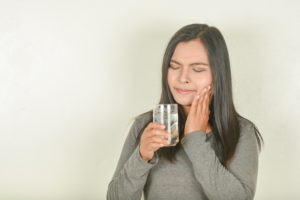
189 70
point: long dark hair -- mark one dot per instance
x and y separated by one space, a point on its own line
223 116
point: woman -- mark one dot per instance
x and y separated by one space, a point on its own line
217 156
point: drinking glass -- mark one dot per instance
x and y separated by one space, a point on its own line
167 114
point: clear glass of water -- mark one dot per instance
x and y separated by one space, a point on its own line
167 114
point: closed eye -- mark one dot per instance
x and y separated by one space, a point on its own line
198 70
173 67
178 68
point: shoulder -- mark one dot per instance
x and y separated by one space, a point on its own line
244 122
144 117
247 128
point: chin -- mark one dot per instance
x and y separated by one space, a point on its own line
184 102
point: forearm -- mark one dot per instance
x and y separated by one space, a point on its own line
130 181
217 181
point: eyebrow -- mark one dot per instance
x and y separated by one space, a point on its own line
192 64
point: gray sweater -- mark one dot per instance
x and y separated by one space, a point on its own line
197 173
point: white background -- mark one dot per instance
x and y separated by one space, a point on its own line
73 74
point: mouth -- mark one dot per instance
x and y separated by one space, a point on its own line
182 91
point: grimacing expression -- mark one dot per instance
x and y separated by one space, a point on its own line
189 71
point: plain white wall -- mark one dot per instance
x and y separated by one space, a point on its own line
73 74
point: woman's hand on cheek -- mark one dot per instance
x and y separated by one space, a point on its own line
198 116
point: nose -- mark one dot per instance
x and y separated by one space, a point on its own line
184 76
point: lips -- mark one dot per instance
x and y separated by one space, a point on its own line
183 91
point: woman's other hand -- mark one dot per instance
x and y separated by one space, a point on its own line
198 116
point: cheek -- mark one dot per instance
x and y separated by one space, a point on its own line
171 82
170 78
203 82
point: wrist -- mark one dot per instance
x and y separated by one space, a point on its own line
191 131
144 158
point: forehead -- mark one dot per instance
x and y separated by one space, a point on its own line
191 51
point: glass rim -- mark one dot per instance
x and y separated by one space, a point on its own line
174 105
166 104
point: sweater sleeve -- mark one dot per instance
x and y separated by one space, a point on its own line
238 181
131 172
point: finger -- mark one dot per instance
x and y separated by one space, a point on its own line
154 125
201 100
162 135
195 103
205 102
158 133
156 146
211 92
202 97
209 98
208 103
159 140
151 131
198 101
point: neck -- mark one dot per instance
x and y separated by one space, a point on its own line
186 110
